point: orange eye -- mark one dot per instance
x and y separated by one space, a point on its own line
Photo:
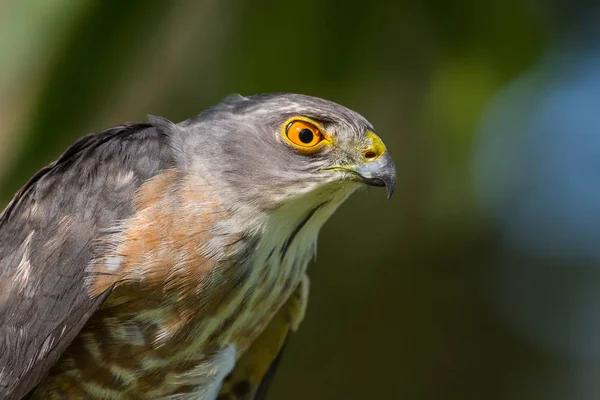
303 134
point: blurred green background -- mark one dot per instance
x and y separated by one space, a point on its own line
399 301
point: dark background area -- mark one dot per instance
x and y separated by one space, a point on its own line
479 279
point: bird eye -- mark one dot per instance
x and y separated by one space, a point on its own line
303 133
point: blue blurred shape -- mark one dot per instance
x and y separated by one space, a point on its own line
536 170
537 156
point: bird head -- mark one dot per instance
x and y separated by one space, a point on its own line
272 149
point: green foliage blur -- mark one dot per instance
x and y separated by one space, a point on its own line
396 307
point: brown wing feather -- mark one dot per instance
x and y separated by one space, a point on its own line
47 238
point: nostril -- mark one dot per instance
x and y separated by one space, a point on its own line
370 154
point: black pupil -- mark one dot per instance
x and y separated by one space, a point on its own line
306 135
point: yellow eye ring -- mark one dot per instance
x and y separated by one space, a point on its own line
303 134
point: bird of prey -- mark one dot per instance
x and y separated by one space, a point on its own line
168 261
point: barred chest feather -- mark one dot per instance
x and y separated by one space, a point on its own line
182 314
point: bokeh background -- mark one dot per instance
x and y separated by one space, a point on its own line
479 279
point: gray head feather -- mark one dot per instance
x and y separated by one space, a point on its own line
239 144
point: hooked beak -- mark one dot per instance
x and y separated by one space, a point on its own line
381 172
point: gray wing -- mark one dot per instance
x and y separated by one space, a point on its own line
47 236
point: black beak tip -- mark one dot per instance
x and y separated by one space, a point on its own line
390 191
390 184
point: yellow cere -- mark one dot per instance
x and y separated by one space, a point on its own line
376 149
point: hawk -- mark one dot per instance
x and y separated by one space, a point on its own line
168 261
